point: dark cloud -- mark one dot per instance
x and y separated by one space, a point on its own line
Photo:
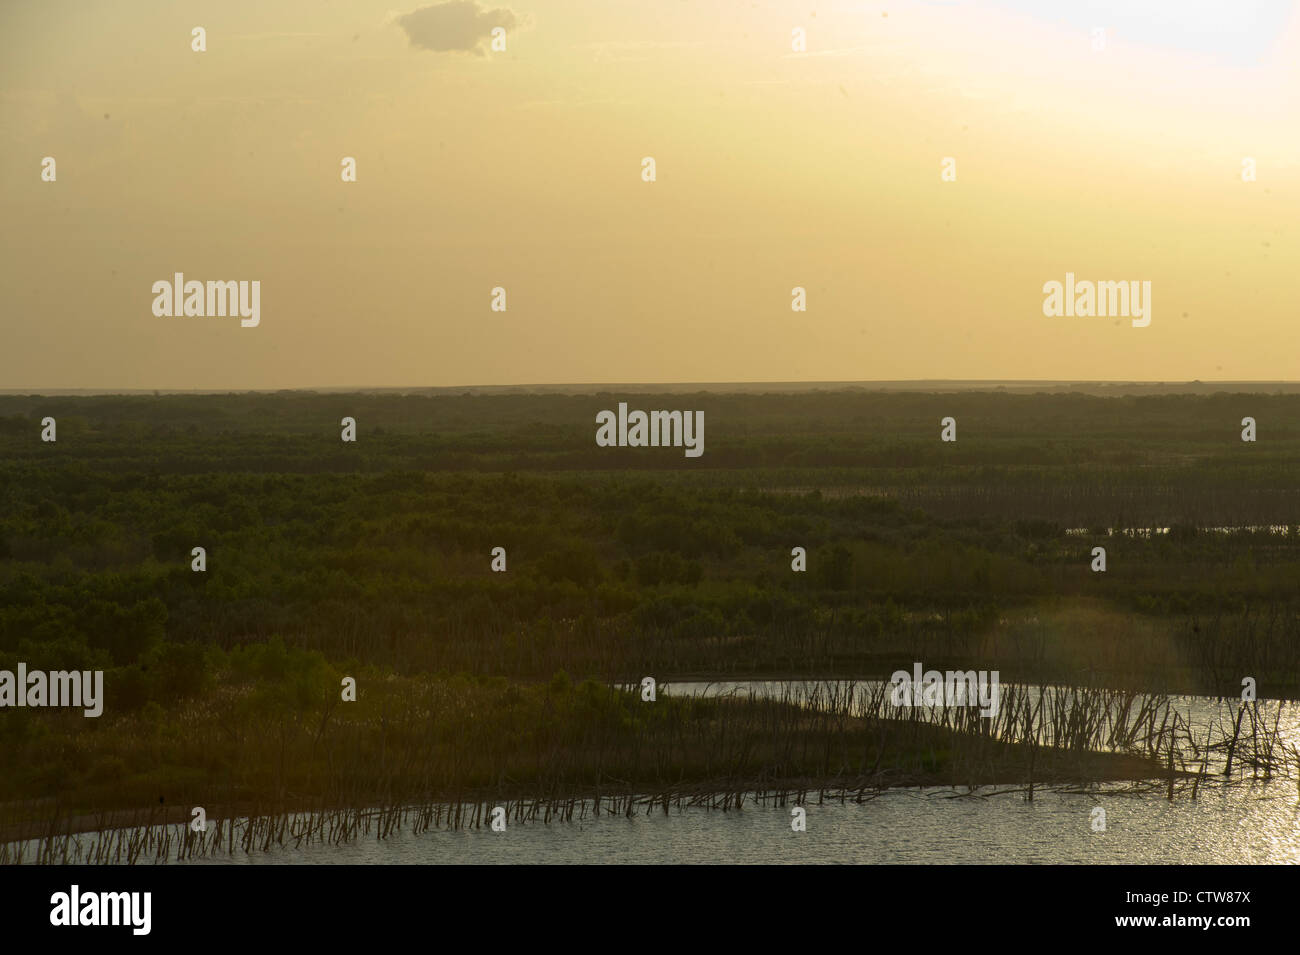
457 25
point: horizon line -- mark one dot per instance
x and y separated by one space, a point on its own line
599 386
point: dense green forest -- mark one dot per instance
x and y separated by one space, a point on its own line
327 558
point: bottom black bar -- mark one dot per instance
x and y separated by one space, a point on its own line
334 904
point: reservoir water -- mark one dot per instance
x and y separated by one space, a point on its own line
1247 822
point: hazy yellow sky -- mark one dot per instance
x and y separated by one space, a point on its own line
522 169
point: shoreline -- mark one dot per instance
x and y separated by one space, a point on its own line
1053 775
1290 693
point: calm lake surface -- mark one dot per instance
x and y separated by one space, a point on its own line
1246 823
1259 824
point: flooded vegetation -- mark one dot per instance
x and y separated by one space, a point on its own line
486 680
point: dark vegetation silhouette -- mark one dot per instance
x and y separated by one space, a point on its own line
373 560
